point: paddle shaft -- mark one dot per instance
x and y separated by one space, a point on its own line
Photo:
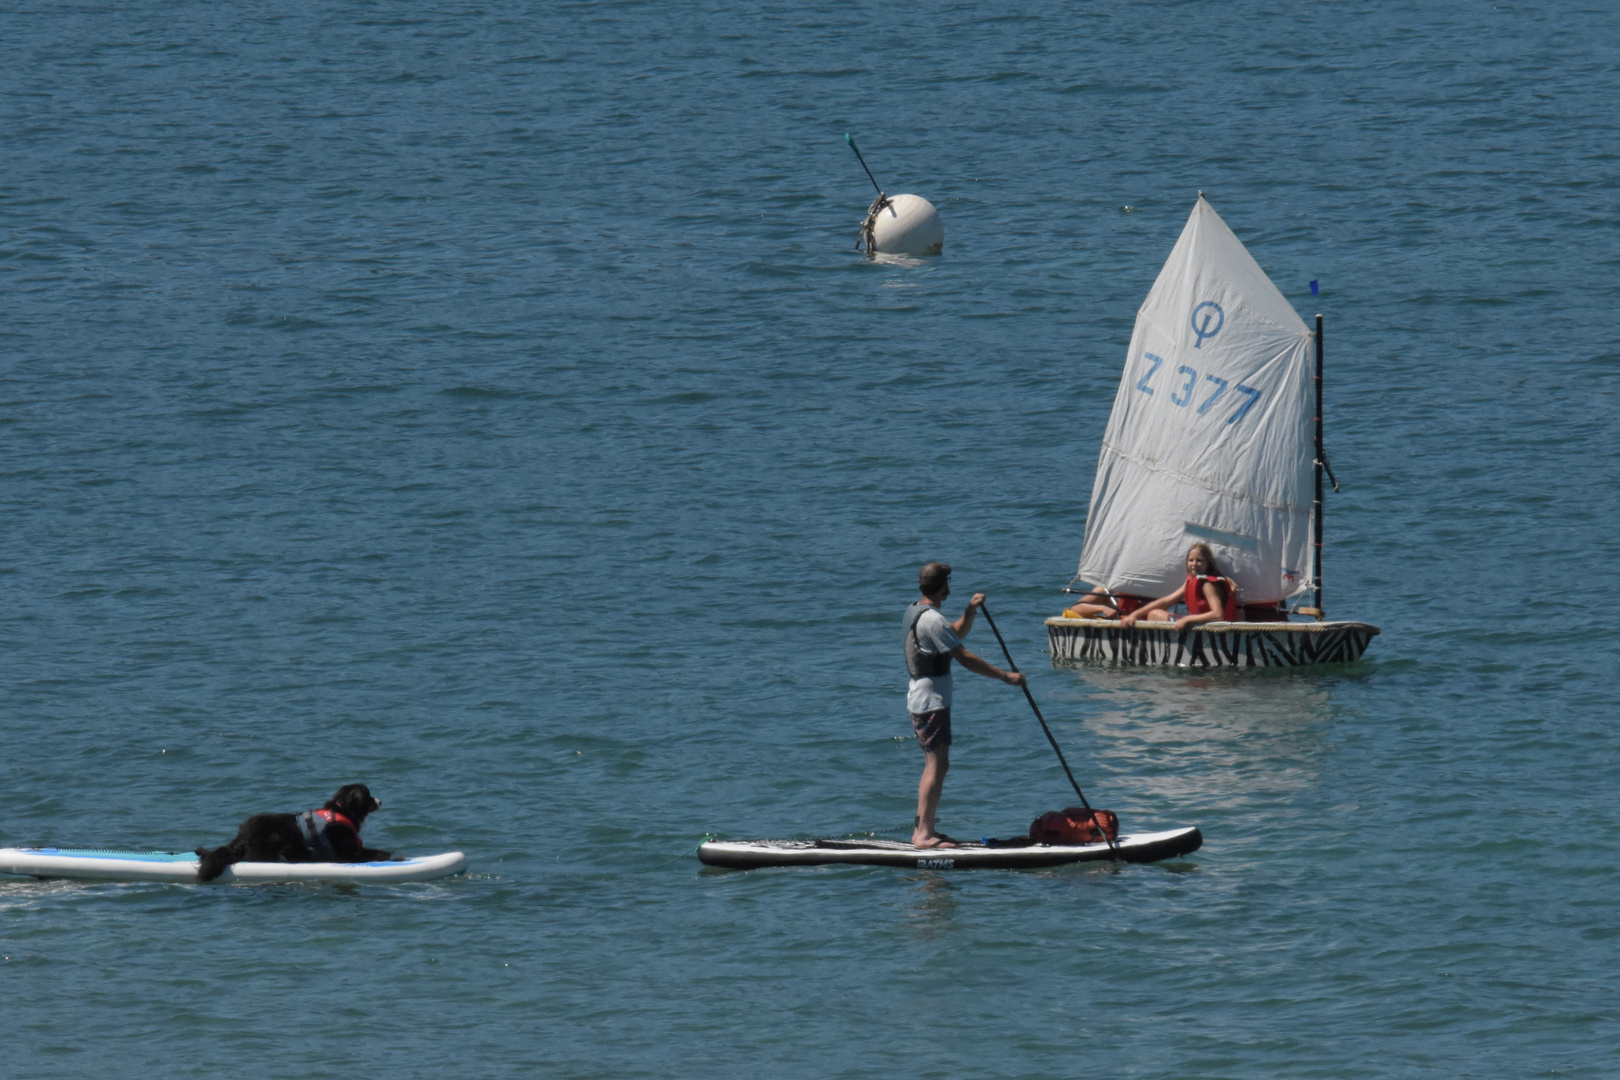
851 140
1056 749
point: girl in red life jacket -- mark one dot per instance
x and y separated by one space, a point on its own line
1207 594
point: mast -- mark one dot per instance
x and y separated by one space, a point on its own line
1321 458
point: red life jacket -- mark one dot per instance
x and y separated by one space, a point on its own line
1193 596
1074 826
314 823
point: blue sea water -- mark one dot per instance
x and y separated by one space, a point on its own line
485 402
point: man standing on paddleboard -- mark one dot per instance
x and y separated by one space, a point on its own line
931 643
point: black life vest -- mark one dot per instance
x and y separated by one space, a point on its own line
314 823
921 664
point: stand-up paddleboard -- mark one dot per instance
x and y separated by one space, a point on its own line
750 854
83 864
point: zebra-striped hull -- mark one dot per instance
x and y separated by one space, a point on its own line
1211 645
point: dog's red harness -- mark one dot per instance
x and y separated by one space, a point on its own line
314 823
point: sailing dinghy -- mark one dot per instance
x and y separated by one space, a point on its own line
1211 439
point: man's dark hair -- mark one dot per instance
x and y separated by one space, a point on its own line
933 577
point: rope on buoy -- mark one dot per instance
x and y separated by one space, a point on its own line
869 226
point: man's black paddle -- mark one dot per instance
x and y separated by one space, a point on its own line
1113 844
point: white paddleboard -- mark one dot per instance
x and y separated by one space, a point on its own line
752 854
83 864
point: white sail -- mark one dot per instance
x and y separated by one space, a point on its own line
1210 438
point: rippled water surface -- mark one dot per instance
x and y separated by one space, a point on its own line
486 403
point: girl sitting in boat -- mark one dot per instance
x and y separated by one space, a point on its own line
1208 595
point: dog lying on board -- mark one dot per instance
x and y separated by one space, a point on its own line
329 834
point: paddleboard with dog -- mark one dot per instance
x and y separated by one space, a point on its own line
89 864
981 855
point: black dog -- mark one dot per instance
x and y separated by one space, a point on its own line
330 834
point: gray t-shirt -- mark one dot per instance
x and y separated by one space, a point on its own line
934 635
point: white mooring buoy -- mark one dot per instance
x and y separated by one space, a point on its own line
905 225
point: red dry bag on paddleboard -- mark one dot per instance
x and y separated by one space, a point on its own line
1075 826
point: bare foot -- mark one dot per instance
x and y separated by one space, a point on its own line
937 840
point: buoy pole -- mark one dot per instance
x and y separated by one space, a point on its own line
1112 844
851 140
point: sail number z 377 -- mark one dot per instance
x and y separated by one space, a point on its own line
1184 385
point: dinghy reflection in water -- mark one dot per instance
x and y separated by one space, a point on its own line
1211 440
